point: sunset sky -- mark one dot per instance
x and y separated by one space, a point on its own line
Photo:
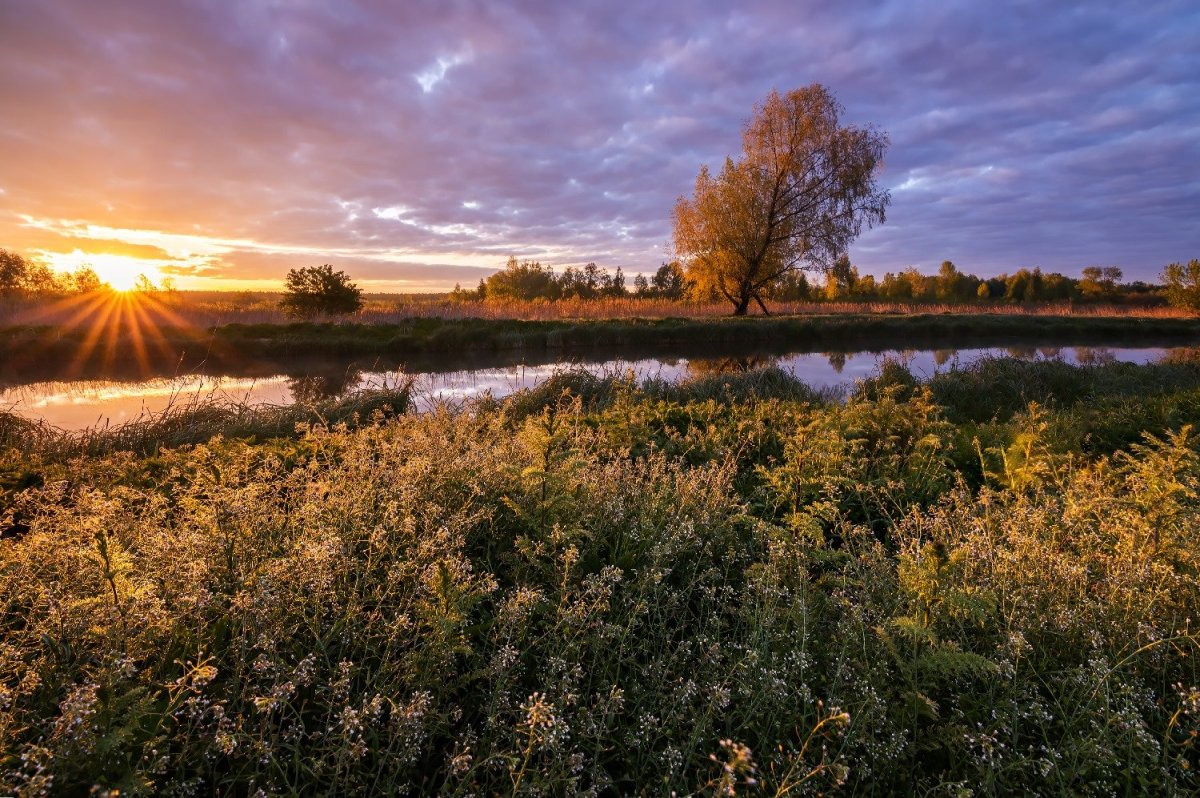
419 144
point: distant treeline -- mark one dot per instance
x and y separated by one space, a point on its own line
532 280
21 277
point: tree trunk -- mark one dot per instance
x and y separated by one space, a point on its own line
759 300
742 305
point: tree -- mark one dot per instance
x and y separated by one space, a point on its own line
523 280
1100 281
84 280
797 198
22 277
840 279
669 281
13 269
1183 284
144 285
315 290
614 287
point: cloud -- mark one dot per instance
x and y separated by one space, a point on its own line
426 142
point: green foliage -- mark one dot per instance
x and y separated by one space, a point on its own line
319 290
522 280
527 280
728 585
1183 284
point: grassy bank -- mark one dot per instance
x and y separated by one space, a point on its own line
802 332
726 586
32 348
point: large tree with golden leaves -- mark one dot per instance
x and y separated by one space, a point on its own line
801 192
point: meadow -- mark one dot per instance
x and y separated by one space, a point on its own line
981 584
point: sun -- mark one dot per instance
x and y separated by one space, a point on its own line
121 272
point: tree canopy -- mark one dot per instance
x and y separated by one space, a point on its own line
316 290
524 280
798 196
1183 284
21 277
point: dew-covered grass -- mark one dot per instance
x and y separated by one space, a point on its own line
729 586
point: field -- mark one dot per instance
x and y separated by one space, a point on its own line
983 584
205 309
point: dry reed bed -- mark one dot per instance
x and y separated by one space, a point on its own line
207 311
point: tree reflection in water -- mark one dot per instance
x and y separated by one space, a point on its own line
1094 355
312 389
707 367
1023 352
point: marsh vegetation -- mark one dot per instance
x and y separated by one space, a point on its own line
727 585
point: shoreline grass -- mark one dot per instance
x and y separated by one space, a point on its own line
198 420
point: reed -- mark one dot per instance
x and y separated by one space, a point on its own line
198 419
203 310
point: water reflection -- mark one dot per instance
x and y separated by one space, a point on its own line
81 404
708 367
1022 352
313 388
1094 356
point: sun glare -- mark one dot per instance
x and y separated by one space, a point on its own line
121 272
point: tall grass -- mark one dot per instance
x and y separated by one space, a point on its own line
198 419
730 586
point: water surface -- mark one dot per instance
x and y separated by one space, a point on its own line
81 404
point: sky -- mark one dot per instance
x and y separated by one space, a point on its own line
416 145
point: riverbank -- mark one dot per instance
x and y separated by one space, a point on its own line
35 346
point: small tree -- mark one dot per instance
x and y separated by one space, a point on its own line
316 290
669 281
1183 284
84 280
801 192
614 287
641 286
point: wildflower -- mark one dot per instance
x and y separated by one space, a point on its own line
737 764
542 723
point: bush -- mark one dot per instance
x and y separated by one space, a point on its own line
1183 284
319 290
